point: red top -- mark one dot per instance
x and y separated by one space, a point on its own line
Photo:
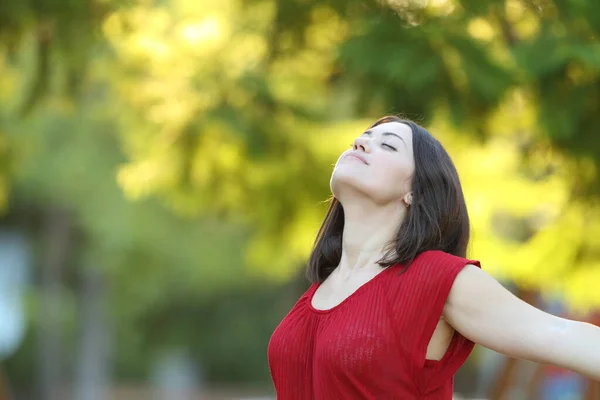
373 344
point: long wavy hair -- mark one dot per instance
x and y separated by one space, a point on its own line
436 220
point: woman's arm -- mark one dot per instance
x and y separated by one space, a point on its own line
482 310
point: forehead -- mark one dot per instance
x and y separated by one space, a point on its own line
398 128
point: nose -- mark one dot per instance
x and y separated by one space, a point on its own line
361 143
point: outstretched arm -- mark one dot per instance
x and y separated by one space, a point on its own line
482 310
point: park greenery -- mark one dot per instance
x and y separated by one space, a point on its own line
177 153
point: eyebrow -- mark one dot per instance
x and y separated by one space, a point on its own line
370 132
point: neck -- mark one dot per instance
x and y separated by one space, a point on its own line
368 228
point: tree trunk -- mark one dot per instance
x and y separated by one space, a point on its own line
533 389
504 380
5 389
56 247
593 391
93 370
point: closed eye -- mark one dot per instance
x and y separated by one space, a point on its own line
391 147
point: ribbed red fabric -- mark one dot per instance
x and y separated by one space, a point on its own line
373 344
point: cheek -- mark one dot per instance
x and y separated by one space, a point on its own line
396 176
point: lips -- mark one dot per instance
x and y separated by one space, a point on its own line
355 154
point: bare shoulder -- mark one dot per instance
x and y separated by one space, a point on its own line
484 311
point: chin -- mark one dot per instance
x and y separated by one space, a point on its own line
349 186
340 180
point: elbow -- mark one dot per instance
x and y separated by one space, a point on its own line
556 341
574 346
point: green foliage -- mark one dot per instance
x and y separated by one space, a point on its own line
62 34
417 69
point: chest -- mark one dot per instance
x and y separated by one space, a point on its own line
337 289
334 292
355 337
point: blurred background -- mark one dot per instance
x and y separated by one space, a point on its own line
164 167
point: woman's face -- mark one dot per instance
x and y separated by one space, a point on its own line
380 164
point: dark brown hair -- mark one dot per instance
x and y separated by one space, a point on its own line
436 220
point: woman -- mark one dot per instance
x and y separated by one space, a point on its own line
395 307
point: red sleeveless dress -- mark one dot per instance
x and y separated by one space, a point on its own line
373 344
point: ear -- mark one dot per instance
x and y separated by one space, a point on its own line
408 198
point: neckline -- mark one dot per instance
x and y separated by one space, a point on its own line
347 298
